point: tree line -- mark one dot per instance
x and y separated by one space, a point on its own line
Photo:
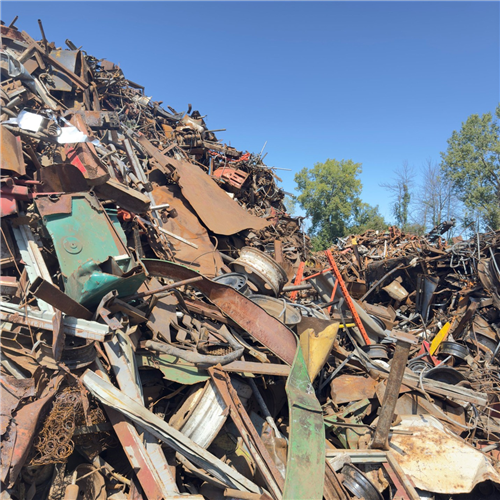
464 185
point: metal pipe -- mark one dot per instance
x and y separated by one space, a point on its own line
172 235
264 408
159 207
165 288
226 258
292 288
194 357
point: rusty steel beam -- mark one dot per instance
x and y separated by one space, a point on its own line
50 293
380 439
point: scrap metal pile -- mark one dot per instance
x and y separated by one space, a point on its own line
167 333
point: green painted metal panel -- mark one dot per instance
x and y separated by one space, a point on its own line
91 253
305 466
80 230
88 284
173 368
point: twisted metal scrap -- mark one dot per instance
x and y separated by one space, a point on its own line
54 443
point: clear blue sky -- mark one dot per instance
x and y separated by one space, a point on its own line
375 82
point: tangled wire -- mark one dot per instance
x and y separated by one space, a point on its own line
54 443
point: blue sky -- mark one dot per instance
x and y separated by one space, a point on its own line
375 82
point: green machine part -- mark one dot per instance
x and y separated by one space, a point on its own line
91 251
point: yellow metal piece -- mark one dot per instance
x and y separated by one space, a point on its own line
439 338
317 346
349 325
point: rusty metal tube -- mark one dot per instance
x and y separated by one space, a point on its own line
162 289
293 288
194 357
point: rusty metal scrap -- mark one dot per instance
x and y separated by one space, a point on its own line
53 443
166 328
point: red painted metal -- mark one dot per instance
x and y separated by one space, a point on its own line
347 297
8 205
298 279
232 176
134 449
334 291
400 493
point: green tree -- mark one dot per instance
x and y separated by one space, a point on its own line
472 164
289 201
330 196
367 217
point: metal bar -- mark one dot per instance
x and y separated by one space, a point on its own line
404 479
347 297
391 395
175 236
380 281
317 274
333 375
134 161
257 368
294 288
400 491
359 456
136 453
23 236
333 489
298 279
75 327
254 443
334 291
138 456
159 207
49 293
264 408
58 335
165 288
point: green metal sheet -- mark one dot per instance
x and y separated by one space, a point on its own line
89 247
80 230
173 368
305 466
88 284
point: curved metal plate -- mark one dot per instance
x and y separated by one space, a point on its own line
253 319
